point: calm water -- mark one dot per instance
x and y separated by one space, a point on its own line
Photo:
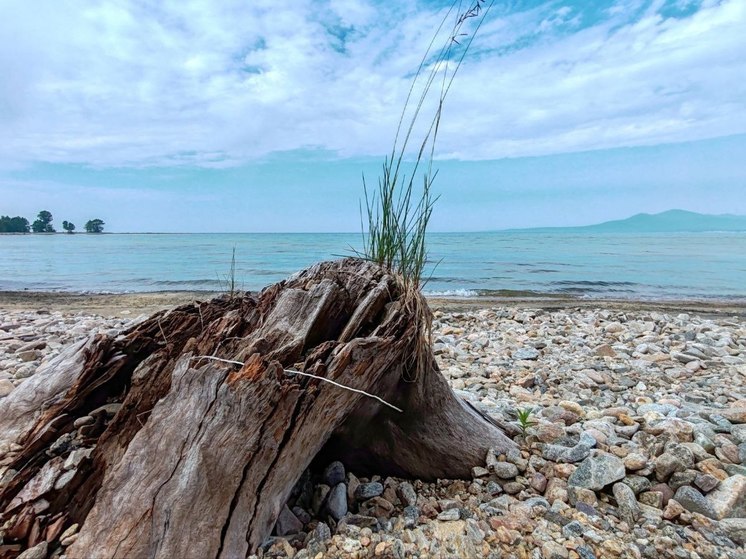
671 265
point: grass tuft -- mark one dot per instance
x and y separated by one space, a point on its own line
397 212
228 283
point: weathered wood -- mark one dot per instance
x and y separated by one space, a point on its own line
194 457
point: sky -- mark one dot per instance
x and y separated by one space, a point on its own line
252 115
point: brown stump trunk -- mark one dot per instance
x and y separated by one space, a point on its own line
185 456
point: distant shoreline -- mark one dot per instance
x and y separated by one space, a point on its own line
134 304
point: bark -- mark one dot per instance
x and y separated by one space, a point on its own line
185 456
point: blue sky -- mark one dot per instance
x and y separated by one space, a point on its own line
259 116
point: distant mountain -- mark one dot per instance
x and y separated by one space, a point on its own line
672 221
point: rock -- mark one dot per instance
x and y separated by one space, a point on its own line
377 507
682 478
29 355
287 523
336 502
635 461
652 499
735 529
673 510
676 459
681 429
734 415
706 482
505 470
638 484
596 472
410 515
39 551
352 484
553 550
693 501
664 490
548 432
605 350
570 455
581 495
526 354
614 328
729 499
6 387
556 490
407 494
445 531
334 474
448 515
629 510
739 433
368 490
84 420
479 471
539 482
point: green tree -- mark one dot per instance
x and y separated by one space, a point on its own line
68 226
43 223
16 224
94 226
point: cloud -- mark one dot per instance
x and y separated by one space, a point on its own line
221 83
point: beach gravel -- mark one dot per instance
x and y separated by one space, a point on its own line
636 448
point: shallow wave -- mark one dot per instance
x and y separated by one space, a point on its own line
175 283
452 293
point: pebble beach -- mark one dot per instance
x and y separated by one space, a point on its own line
632 444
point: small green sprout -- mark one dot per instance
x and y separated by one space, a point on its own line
524 419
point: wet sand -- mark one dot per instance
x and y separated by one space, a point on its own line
134 304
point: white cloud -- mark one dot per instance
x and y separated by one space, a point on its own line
113 83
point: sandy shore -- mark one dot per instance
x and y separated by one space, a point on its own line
134 304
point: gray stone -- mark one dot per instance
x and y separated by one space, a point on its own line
573 529
629 510
676 459
334 474
564 454
638 484
706 482
322 532
596 472
368 490
411 515
287 523
336 502
693 501
735 529
407 494
682 478
37 552
526 354
505 470
585 552
448 515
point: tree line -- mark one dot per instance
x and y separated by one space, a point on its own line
43 224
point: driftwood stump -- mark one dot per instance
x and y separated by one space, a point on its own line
154 450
